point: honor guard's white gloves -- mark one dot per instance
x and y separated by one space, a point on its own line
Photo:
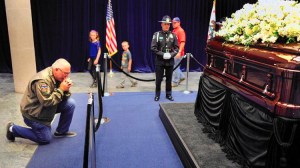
167 56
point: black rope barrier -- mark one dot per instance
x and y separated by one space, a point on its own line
89 143
144 80
104 80
100 95
99 82
90 129
198 62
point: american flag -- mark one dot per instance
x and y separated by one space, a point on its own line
111 41
212 22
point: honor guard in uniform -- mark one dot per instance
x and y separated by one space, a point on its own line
165 46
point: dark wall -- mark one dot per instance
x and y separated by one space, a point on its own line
61 28
5 59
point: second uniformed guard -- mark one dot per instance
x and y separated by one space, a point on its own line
165 46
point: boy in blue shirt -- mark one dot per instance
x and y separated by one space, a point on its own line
126 65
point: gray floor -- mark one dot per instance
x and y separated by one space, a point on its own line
18 153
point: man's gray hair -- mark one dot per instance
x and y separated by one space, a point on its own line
60 63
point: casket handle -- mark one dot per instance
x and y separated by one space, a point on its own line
241 80
243 73
225 67
211 61
268 82
266 89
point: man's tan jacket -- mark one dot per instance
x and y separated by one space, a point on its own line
42 97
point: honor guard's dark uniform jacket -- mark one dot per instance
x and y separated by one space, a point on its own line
163 42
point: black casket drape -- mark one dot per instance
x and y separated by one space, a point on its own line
249 133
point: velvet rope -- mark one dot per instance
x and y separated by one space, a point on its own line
100 102
89 142
198 62
104 81
145 80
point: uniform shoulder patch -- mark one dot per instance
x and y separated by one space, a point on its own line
44 88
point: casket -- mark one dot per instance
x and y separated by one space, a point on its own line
268 75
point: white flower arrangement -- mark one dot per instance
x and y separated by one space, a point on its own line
263 23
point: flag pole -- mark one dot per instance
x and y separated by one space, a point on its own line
111 40
106 93
110 70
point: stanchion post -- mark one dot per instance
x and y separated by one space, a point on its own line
106 93
89 135
98 77
92 146
186 91
100 95
110 69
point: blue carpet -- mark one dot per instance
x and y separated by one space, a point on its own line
135 137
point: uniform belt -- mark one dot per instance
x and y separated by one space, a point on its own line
165 51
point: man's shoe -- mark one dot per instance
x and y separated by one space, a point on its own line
9 135
120 86
182 79
174 84
156 98
170 97
66 134
134 84
93 85
105 120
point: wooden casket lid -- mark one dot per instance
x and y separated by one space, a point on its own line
268 75
281 55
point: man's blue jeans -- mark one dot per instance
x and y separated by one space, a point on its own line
41 133
177 74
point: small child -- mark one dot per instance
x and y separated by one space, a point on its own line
94 55
126 65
